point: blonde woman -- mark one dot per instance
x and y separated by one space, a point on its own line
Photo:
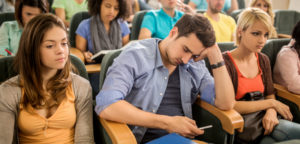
251 76
266 6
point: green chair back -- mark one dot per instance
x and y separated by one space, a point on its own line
241 4
75 21
272 48
285 20
80 67
6 16
136 24
6 68
235 14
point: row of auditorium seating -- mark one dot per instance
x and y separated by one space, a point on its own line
226 123
284 22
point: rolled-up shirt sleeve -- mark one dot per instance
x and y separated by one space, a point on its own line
118 82
207 88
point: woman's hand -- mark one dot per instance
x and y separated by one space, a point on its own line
269 121
87 56
283 110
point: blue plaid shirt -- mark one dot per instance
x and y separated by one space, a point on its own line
138 76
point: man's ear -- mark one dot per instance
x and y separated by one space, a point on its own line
174 32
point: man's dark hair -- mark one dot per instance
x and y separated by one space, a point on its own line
198 24
94 7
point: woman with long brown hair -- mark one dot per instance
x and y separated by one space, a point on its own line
46 102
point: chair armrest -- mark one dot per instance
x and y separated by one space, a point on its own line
284 36
119 133
231 120
284 93
77 53
93 68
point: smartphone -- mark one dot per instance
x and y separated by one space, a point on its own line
206 127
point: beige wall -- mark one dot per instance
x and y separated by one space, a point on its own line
294 5
281 4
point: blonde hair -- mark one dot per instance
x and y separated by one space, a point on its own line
270 12
248 17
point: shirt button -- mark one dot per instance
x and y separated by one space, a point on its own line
166 78
153 111
161 94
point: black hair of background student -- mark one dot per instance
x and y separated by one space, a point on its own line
43 5
296 37
94 7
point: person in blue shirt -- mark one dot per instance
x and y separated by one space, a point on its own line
158 23
229 5
153 83
105 30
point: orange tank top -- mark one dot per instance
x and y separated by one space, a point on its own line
246 85
58 129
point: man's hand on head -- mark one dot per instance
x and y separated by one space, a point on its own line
213 53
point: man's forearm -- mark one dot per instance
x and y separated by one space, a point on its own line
234 6
224 89
124 112
223 84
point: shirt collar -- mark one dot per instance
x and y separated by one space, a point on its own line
158 60
165 14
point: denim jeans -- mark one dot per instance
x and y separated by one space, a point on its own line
285 130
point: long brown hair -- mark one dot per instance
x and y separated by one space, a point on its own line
29 65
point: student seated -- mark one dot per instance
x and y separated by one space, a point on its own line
287 67
135 6
223 25
105 30
266 6
11 31
45 103
65 9
158 23
229 6
153 83
251 76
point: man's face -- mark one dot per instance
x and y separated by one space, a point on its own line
216 6
181 49
168 4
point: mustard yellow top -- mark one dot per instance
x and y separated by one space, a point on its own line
58 129
224 28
